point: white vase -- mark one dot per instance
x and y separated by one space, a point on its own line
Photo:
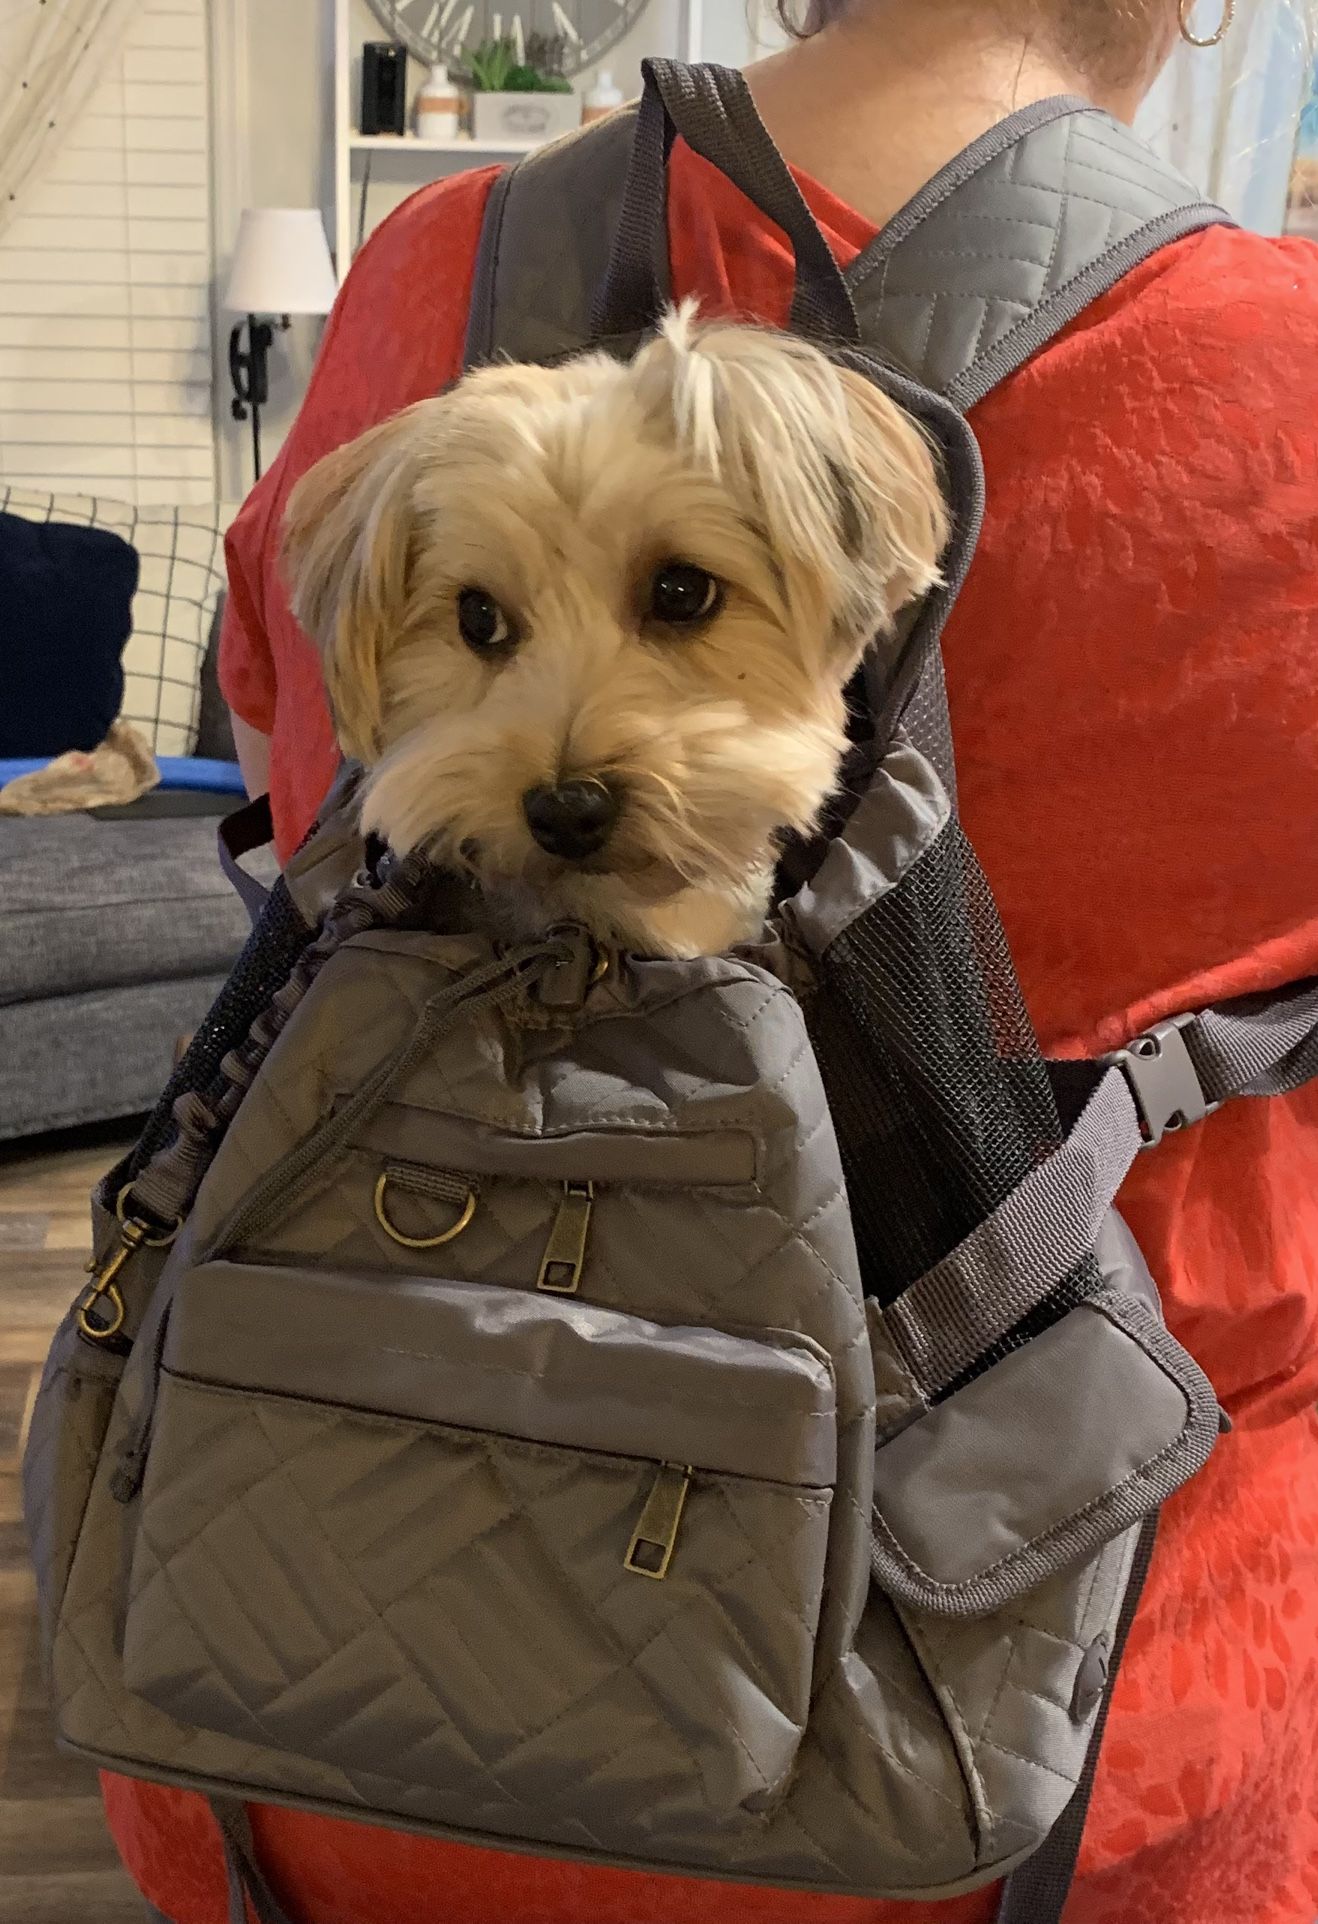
438 106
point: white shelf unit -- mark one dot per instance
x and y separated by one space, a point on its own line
413 144
355 154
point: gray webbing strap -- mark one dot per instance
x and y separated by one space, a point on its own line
244 832
1038 1891
957 1311
711 107
1265 1047
247 1883
1175 1074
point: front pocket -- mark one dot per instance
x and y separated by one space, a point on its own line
418 1537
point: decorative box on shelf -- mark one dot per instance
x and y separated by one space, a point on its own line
520 119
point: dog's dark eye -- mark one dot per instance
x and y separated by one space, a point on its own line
681 594
482 623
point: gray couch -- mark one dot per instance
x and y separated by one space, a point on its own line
116 931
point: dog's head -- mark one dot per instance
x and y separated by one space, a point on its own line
590 627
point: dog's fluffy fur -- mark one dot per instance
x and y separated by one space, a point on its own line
808 495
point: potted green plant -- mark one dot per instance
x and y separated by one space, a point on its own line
520 95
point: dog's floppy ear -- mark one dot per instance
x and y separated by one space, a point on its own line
892 511
843 482
347 542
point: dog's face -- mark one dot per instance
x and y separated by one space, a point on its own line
590 627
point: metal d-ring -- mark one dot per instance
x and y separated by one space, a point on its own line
421 1242
144 1241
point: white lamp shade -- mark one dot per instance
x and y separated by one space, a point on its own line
281 263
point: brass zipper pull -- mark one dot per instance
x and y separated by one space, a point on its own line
565 1256
655 1538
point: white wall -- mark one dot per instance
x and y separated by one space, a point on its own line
1227 117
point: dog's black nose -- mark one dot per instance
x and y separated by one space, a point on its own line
572 821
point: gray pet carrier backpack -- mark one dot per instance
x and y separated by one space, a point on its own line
696 1416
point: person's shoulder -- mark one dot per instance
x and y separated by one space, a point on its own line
439 226
1233 282
1213 339
1223 306
397 331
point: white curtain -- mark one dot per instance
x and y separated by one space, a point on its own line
52 54
1229 116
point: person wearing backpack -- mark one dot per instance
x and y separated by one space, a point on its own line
1131 682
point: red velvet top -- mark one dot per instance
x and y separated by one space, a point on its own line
1133 674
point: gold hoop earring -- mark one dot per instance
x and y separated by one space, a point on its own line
1193 39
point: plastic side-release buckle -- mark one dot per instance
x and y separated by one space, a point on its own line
1163 1079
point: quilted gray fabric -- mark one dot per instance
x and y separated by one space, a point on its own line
963 287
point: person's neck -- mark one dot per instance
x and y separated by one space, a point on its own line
873 114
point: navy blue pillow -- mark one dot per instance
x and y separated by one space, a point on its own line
66 612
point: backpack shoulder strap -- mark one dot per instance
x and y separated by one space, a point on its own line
998 253
545 245
1014 239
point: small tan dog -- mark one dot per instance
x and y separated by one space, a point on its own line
589 627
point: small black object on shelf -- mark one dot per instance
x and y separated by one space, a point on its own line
384 88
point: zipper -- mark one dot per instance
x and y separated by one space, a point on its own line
565 1253
654 1539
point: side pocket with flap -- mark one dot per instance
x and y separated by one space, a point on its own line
1037 1463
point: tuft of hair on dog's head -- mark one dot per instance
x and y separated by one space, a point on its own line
846 482
801 510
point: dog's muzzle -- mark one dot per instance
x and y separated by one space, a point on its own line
572 821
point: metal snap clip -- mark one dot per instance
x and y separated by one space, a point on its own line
103 1290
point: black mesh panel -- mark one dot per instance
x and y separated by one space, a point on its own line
940 1098
267 961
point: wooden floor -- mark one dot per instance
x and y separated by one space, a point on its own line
57 1864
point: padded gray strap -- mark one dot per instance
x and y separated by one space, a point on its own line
1014 239
546 244
1007 1267
247 1884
